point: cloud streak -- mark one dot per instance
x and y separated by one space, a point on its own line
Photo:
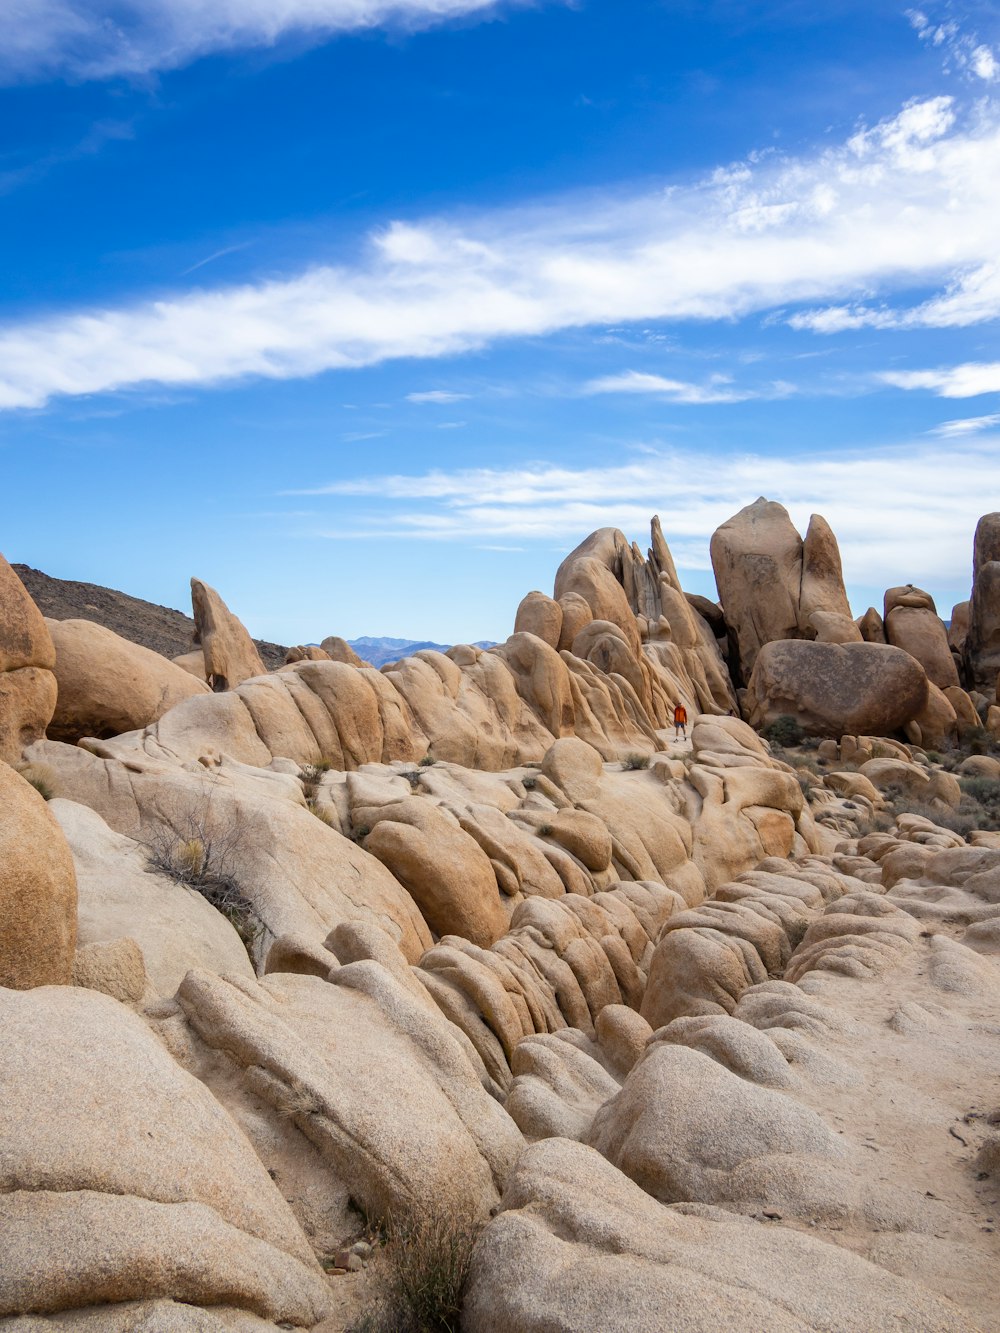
719 389
895 510
99 39
911 201
965 381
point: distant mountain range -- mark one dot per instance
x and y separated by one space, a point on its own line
380 651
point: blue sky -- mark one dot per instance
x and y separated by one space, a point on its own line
367 311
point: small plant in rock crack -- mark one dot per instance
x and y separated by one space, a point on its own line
202 853
632 763
427 761
311 777
529 783
412 776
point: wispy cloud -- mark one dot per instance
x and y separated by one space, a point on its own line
970 298
91 39
895 510
911 201
436 396
965 381
97 137
718 389
218 254
962 51
953 430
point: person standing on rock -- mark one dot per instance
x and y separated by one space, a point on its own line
680 721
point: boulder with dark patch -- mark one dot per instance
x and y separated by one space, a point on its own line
833 689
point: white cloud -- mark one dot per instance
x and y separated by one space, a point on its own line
436 396
911 201
969 298
952 430
966 381
895 510
962 51
95 39
719 388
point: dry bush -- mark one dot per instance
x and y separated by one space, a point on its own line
202 854
632 763
419 1276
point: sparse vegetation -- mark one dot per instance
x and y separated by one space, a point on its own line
323 813
202 854
412 775
784 731
529 783
311 777
427 760
361 832
419 1276
42 777
633 762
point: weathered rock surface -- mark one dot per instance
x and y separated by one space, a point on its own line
919 632
231 656
108 685
37 890
982 645
757 558
833 689
123 1179
27 685
594 1254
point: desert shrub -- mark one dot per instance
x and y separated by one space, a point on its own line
632 763
419 1276
361 832
544 830
323 813
427 760
42 777
979 807
202 854
529 783
412 775
784 731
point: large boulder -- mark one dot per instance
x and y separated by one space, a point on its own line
108 685
757 558
982 646
27 685
836 689
123 1179
577 1246
231 656
822 596
919 632
37 891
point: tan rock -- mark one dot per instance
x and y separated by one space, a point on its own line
193 663
27 687
38 901
958 629
589 570
114 967
123 1179
822 589
230 654
965 710
833 689
121 894
757 558
909 596
872 626
541 616
576 614
937 720
832 627
341 1058
443 869
584 1241
648 1131
108 685
919 632
339 650
982 647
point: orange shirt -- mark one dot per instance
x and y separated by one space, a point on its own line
680 715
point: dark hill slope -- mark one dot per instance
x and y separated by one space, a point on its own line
158 627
